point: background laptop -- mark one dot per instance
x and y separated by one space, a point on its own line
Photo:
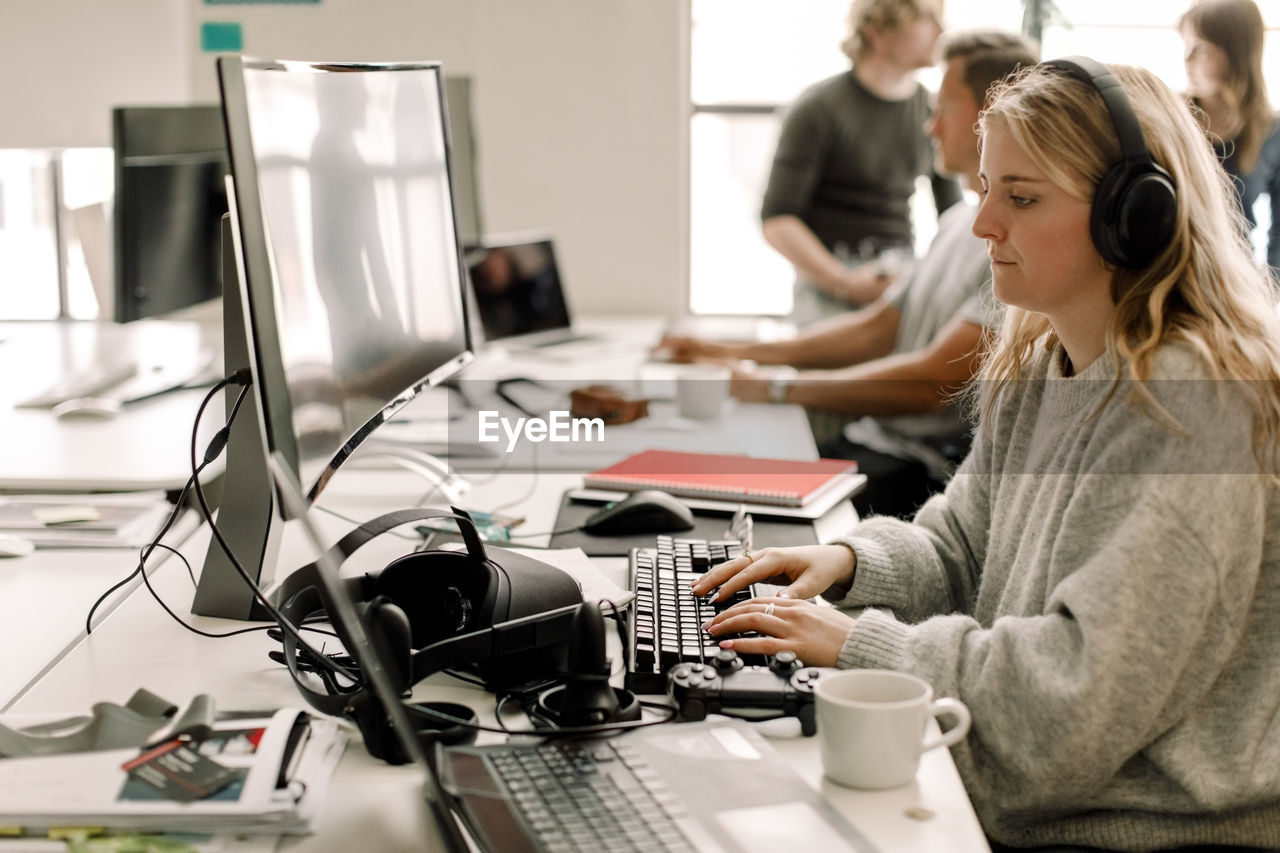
519 293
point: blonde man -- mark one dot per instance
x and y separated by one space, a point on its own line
849 152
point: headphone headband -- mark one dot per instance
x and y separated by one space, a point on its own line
1135 205
1133 145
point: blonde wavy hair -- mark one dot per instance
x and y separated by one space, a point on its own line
882 16
1203 290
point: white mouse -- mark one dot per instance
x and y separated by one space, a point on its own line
88 407
13 546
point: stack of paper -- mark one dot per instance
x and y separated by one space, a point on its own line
84 521
279 768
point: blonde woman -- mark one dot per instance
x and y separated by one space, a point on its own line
1223 41
1100 581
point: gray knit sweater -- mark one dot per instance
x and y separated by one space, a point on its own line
1103 592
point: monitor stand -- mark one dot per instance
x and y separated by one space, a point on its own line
247 516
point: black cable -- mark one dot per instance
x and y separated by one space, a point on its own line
497 712
545 533
602 728
615 613
474 682
168 523
214 450
224 434
181 556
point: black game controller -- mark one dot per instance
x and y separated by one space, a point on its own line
727 686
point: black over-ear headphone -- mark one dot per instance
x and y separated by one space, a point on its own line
510 616
1135 207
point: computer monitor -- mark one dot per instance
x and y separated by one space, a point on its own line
350 274
466 168
170 171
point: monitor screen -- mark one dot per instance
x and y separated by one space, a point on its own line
170 177
349 247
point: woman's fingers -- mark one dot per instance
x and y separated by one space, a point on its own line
812 569
816 634
736 574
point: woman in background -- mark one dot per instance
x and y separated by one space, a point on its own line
1223 41
1100 581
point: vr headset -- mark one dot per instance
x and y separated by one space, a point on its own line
508 617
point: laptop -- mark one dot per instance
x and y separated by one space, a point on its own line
708 786
519 293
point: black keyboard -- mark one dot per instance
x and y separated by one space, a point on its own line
576 795
666 618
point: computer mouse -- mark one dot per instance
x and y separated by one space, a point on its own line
645 511
14 546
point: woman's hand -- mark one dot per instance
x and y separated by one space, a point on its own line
812 570
816 634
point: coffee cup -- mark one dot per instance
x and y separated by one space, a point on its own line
872 724
702 391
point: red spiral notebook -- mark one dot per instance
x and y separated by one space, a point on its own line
779 482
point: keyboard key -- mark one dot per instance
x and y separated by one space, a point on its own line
666 624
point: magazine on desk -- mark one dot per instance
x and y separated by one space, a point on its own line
84 521
277 769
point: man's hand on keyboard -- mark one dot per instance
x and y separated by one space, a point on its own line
812 570
816 634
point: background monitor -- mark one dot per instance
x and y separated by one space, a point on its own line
170 170
352 276
465 160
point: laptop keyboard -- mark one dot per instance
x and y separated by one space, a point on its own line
590 795
666 623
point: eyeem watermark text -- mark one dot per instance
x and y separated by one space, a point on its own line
557 426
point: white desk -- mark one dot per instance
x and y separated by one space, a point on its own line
144 447
371 806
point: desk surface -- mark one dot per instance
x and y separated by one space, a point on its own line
370 806
146 446
137 645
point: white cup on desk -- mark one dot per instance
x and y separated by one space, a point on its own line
871 726
702 391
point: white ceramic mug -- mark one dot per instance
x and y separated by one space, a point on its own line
702 391
871 726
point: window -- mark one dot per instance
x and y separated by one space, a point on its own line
32 220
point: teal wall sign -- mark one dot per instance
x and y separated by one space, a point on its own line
221 37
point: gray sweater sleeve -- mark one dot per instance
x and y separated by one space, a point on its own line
1087 617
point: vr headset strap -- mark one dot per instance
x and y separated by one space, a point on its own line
347 545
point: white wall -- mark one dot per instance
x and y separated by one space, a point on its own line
581 105
64 63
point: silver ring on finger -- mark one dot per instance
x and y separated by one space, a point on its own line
768 609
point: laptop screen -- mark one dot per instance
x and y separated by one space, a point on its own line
517 288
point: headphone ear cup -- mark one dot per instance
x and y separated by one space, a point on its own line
393 639
1134 215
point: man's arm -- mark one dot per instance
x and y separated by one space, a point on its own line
792 239
862 335
906 383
